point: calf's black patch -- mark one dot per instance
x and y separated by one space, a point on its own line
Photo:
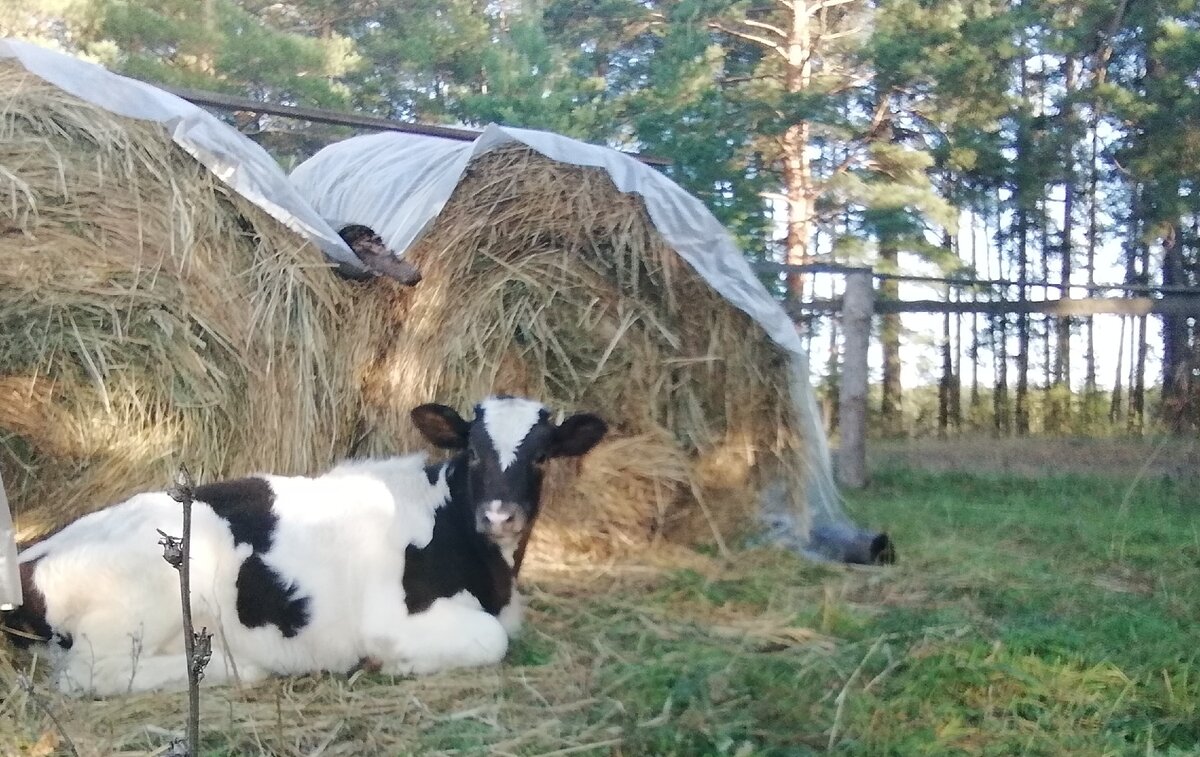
26 625
264 598
245 504
433 473
457 558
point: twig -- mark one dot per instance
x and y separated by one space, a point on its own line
197 646
841 697
27 686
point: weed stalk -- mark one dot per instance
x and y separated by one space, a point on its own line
197 646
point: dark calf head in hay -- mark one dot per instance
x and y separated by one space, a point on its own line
543 280
148 314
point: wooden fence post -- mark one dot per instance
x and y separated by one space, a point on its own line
857 308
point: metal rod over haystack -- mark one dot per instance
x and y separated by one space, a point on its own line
576 274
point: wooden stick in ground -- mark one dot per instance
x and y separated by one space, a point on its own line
852 412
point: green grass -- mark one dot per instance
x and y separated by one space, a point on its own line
1057 616
1075 605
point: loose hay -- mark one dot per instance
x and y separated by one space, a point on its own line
149 316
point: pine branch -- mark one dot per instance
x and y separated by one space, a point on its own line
749 37
765 27
816 7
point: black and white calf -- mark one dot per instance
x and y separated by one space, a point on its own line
400 561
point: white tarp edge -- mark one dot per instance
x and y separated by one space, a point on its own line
232 157
397 184
10 577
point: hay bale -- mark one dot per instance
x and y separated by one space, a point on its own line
543 279
149 315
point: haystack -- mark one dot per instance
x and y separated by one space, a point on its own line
541 278
149 315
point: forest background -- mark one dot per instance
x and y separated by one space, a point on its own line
1034 140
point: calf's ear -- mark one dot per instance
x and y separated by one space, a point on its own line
576 435
441 425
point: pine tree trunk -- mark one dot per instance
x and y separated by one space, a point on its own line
975 345
956 411
1137 395
1137 392
797 171
1175 363
999 328
1136 258
1049 416
891 407
1090 383
1062 358
1000 401
1115 404
1022 408
945 385
834 372
1021 200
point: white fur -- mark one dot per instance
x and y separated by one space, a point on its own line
508 421
341 537
493 514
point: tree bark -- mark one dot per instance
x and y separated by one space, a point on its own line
1062 358
1175 339
1021 200
1090 383
1115 406
856 322
946 384
797 170
891 405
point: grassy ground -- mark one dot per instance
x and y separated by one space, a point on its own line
1057 616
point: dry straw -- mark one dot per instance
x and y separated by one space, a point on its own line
151 317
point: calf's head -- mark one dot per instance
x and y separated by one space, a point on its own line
503 450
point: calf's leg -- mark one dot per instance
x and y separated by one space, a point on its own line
448 635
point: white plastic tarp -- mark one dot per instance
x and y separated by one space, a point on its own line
398 183
232 157
10 578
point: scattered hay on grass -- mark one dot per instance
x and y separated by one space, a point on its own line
565 687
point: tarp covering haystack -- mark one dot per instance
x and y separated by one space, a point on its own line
151 314
578 275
